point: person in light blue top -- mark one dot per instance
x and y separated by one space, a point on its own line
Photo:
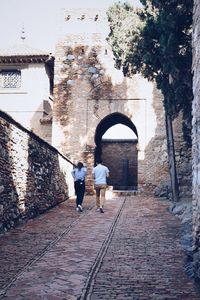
79 173
100 174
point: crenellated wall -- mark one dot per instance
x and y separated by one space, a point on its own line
33 175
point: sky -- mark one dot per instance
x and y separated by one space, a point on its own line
119 131
40 19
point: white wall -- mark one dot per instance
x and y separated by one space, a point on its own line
22 103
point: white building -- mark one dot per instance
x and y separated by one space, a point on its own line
26 85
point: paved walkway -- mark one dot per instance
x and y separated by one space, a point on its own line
132 251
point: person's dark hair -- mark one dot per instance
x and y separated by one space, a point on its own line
79 165
98 161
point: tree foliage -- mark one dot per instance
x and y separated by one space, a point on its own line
125 27
156 41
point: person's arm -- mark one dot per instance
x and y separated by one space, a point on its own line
73 173
107 173
85 170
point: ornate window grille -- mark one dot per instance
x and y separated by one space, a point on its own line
10 79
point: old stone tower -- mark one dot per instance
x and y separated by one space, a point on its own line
90 96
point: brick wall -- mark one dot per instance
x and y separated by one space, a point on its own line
33 175
196 137
121 159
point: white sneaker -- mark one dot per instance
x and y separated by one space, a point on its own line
98 209
80 207
77 209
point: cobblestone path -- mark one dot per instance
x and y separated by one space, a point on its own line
144 260
132 251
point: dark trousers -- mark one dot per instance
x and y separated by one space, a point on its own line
79 187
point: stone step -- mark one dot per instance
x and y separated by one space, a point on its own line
117 193
120 191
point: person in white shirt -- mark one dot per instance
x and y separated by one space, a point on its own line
79 173
100 174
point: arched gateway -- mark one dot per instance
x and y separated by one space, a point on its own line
90 96
119 155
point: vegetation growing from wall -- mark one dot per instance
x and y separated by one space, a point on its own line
156 42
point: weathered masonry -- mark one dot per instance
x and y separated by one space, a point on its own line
196 137
33 175
90 96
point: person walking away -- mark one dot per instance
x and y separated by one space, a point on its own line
100 174
79 173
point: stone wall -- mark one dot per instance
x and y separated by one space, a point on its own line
33 175
196 137
153 169
183 158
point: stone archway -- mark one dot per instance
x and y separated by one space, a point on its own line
90 96
120 155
